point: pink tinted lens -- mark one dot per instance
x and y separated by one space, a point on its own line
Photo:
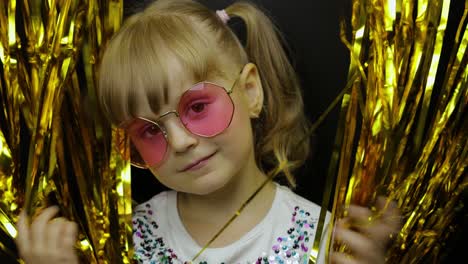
206 109
149 142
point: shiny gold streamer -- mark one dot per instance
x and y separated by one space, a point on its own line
54 145
397 137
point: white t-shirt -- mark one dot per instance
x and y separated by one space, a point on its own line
285 235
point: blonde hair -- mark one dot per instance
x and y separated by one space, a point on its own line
138 56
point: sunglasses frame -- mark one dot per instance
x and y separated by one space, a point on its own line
156 121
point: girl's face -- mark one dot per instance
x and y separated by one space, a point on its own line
196 161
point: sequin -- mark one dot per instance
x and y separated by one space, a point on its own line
152 249
292 248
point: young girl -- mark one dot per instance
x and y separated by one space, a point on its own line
210 118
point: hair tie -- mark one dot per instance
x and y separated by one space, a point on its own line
223 15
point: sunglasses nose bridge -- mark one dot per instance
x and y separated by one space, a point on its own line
166 116
168 113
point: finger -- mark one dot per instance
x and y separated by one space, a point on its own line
377 226
39 226
390 212
362 220
69 240
387 223
343 223
23 236
359 244
354 240
342 258
361 217
55 232
70 235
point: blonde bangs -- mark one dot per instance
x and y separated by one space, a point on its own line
139 63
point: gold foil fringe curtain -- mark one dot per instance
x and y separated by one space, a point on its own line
55 147
403 130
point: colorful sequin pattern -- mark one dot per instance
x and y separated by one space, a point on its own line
291 248
151 249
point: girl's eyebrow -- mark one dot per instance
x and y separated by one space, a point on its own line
177 99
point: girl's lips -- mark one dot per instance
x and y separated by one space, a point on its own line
198 164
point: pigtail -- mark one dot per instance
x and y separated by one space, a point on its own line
281 140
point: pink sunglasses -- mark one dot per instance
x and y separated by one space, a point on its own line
205 110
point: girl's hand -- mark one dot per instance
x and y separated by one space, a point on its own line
47 240
366 234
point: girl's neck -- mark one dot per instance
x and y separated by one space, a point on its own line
203 215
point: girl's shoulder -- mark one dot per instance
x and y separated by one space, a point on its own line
294 202
156 203
154 210
151 227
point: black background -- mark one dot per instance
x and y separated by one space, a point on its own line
311 29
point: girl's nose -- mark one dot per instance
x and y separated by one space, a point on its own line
178 137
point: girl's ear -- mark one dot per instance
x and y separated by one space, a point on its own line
251 85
